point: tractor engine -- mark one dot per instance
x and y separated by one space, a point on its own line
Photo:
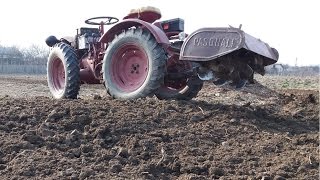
86 37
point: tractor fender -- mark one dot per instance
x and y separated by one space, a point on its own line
159 35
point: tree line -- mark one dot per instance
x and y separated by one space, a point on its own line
29 60
285 69
32 55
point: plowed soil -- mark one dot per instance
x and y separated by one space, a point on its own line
261 132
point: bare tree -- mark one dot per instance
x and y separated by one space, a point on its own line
10 55
35 54
30 60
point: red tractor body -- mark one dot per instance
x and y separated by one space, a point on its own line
139 57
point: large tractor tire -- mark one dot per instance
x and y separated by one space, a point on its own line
184 88
63 72
134 65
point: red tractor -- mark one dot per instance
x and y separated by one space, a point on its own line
141 56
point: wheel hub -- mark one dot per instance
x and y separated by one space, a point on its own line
135 68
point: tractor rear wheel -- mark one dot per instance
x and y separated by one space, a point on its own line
184 88
134 65
63 72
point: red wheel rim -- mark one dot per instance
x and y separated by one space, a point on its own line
129 67
58 74
175 85
176 66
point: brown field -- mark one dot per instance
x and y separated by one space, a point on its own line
268 130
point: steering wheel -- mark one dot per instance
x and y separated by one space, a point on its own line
105 20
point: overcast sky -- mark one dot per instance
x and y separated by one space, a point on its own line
292 27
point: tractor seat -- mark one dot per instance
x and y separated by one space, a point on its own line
148 14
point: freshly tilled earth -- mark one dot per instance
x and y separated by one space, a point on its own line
255 133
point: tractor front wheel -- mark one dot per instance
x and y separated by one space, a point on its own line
134 65
63 72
